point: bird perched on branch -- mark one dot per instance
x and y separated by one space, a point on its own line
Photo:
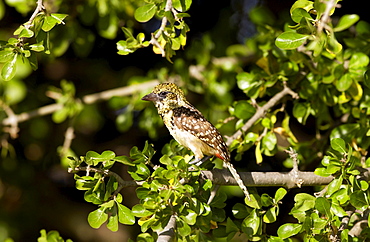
190 128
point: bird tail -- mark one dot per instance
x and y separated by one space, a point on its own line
237 178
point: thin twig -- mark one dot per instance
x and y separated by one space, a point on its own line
261 112
325 18
39 8
13 129
68 137
88 99
154 39
294 156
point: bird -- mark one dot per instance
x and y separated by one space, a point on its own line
190 128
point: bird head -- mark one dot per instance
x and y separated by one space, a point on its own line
166 96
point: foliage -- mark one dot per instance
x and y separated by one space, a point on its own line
323 61
51 236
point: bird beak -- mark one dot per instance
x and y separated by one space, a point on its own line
150 97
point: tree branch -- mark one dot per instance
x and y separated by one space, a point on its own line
288 180
330 4
88 99
261 111
39 8
168 233
154 39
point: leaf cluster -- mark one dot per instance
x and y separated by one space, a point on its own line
30 38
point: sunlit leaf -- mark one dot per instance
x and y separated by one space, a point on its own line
289 229
346 21
290 40
146 12
97 217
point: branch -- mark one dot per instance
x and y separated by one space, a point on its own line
289 180
330 4
260 113
168 233
68 137
88 99
39 8
154 39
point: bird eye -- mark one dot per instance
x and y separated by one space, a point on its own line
163 94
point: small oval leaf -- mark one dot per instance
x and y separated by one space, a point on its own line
146 12
290 40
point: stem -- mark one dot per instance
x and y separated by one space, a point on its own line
39 8
330 4
154 39
88 99
260 113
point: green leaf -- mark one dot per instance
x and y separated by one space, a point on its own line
249 83
26 33
182 228
344 82
321 171
112 223
93 158
244 110
231 226
338 210
97 218
181 5
290 40
139 211
270 215
318 223
323 206
123 48
255 201
280 194
338 144
144 237
85 182
59 17
301 111
52 20
124 160
305 4
37 47
240 211
300 13
251 224
304 202
358 199
346 21
358 60
6 55
191 217
145 13
258 153
288 230
269 141
334 185
125 215
9 69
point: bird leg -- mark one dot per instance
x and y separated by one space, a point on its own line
199 161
